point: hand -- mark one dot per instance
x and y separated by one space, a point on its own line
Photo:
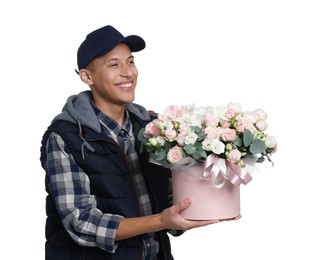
172 219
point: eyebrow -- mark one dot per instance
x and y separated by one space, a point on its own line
115 59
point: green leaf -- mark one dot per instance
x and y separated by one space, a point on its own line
160 154
269 159
260 160
168 146
189 149
141 137
197 130
247 137
238 142
150 149
200 154
257 146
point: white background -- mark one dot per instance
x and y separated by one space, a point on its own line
259 53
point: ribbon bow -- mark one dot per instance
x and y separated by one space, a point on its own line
218 168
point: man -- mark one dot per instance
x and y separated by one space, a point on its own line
105 200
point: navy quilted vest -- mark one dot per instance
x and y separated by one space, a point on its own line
111 181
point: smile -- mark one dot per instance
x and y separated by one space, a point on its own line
127 85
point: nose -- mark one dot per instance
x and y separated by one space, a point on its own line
127 70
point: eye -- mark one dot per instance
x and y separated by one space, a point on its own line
131 61
113 64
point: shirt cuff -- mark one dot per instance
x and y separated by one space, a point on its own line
106 232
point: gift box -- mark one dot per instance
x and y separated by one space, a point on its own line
209 201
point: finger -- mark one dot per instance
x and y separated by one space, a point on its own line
183 204
207 222
201 223
234 218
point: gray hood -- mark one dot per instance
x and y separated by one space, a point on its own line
79 108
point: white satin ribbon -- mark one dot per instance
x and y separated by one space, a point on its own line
215 168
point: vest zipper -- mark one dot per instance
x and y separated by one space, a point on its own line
111 141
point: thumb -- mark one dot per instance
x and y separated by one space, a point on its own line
183 204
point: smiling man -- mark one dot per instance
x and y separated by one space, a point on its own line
104 199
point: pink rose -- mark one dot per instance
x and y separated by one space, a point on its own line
183 127
225 124
212 133
181 138
170 134
172 112
211 121
240 127
152 129
234 155
175 154
229 134
230 113
236 107
243 124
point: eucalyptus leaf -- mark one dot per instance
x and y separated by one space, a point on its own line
160 154
257 146
260 160
196 129
247 138
150 149
189 149
141 137
200 154
168 146
238 142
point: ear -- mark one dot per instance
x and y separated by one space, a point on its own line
85 76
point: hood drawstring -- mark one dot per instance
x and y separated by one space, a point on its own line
85 143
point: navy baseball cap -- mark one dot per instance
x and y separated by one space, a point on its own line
102 41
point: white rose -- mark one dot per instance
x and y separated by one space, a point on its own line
270 142
217 147
191 138
237 107
213 145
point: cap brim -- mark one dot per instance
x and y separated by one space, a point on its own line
135 43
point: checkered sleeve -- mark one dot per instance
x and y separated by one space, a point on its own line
77 208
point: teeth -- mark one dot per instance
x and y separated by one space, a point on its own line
126 85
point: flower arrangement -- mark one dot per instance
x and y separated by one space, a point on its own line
196 132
